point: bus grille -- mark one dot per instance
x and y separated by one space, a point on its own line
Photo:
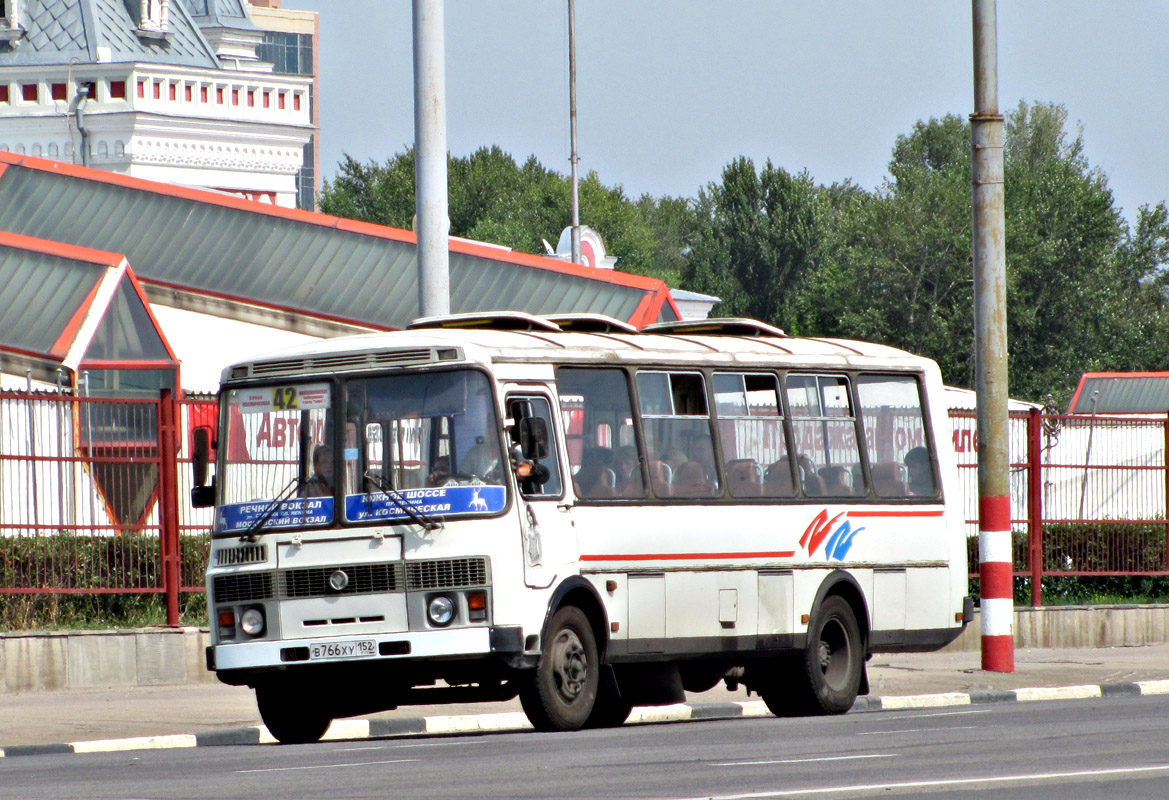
363 579
243 587
248 554
453 574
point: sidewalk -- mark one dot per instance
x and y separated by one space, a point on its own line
51 718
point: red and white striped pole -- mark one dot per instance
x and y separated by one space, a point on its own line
990 326
997 587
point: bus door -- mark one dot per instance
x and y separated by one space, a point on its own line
546 531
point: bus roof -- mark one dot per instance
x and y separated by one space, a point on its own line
435 344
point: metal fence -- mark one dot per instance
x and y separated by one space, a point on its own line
94 495
1088 494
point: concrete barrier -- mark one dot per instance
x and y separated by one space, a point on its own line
58 660
1080 626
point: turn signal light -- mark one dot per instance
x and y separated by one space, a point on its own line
477 606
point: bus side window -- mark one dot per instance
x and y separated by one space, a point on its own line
900 459
545 453
676 420
598 421
824 425
750 427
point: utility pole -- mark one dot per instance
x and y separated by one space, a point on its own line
995 569
432 223
572 124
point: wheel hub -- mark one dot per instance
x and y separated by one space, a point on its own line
569 666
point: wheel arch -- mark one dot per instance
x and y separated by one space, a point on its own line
845 586
576 591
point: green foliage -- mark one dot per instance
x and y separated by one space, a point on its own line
1091 547
1086 292
79 562
493 199
758 234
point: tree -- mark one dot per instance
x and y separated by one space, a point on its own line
493 199
757 235
897 265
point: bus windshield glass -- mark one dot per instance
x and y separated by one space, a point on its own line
422 443
279 464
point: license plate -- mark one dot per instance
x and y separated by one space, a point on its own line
362 648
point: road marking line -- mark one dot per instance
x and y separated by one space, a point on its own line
917 730
328 766
802 760
942 782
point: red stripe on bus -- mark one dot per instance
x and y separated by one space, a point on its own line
685 556
937 513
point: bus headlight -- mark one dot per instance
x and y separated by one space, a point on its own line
251 621
441 610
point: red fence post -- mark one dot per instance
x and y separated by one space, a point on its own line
1165 461
168 502
1035 504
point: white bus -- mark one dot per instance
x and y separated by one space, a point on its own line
578 513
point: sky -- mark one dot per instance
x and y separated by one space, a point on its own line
671 91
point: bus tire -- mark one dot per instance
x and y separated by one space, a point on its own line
561 692
288 720
826 677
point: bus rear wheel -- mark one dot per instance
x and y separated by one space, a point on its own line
562 691
287 719
826 677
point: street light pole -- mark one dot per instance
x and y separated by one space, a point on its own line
572 124
990 322
432 223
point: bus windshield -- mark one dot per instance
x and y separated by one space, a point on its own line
279 464
426 443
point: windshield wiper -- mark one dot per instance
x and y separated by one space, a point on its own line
252 532
417 515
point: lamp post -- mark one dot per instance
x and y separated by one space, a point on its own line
990 321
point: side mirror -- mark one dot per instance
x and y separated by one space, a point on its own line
203 496
534 438
201 453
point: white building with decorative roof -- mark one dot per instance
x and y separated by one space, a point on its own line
167 90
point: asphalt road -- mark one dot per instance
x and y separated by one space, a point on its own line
1115 746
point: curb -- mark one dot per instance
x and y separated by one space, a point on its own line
515 721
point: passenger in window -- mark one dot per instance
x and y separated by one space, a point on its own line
596 477
813 483
837 481
321 482
674 458
701 450
440 471
921 477
625 465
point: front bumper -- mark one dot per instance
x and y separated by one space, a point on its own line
506 641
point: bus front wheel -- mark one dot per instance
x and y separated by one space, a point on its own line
287 718
826 677
562 691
